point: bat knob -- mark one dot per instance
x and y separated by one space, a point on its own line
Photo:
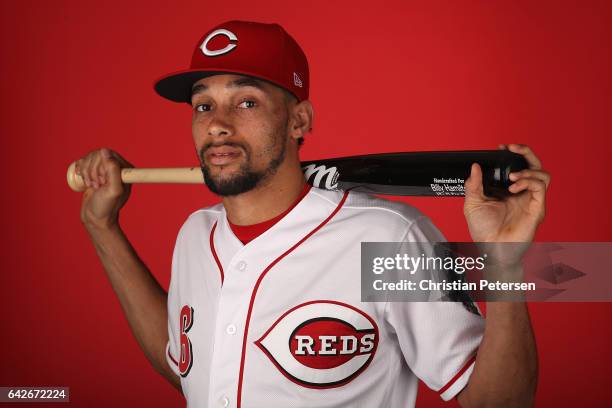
75 182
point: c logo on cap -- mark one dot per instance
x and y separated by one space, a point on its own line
231 36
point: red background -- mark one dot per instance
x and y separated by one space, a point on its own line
403 76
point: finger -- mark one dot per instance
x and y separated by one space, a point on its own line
473 185
85 169
77 167
501 147
536 174
536 187
527 153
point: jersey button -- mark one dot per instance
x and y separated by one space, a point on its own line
241 265
224 402
231 329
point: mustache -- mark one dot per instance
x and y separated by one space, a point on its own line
207 146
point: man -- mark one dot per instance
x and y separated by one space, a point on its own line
264 302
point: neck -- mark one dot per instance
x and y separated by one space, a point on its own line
266 201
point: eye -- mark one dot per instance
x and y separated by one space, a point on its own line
202 108
247 104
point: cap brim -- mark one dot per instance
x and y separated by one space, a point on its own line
177 85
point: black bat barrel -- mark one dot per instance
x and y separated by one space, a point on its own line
415 173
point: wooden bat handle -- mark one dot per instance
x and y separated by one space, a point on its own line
185 175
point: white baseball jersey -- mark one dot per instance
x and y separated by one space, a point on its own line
279 322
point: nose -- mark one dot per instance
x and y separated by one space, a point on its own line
219 125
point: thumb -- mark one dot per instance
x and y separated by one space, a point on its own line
113 163
112 168
473 185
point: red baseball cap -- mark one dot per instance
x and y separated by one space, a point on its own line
264 51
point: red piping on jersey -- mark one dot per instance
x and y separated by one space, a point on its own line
172 358
212 249
456 377
263 274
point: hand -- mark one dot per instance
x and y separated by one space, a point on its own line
106 194
515 218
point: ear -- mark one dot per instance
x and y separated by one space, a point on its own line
301 117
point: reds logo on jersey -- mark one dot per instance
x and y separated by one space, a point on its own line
321 344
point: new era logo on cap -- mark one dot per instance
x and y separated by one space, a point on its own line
296 80
264 51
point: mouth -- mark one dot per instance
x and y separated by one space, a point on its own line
222 155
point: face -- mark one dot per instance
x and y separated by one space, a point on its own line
240 131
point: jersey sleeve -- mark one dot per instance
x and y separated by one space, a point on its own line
439 340
174 341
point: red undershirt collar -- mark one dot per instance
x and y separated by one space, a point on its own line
247 233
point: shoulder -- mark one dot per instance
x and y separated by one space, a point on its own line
201 220
392 219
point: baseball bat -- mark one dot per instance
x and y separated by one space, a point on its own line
441 173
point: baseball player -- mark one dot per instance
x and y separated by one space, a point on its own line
264 307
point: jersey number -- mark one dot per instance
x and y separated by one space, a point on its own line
186 357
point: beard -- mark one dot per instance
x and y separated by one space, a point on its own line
245 179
